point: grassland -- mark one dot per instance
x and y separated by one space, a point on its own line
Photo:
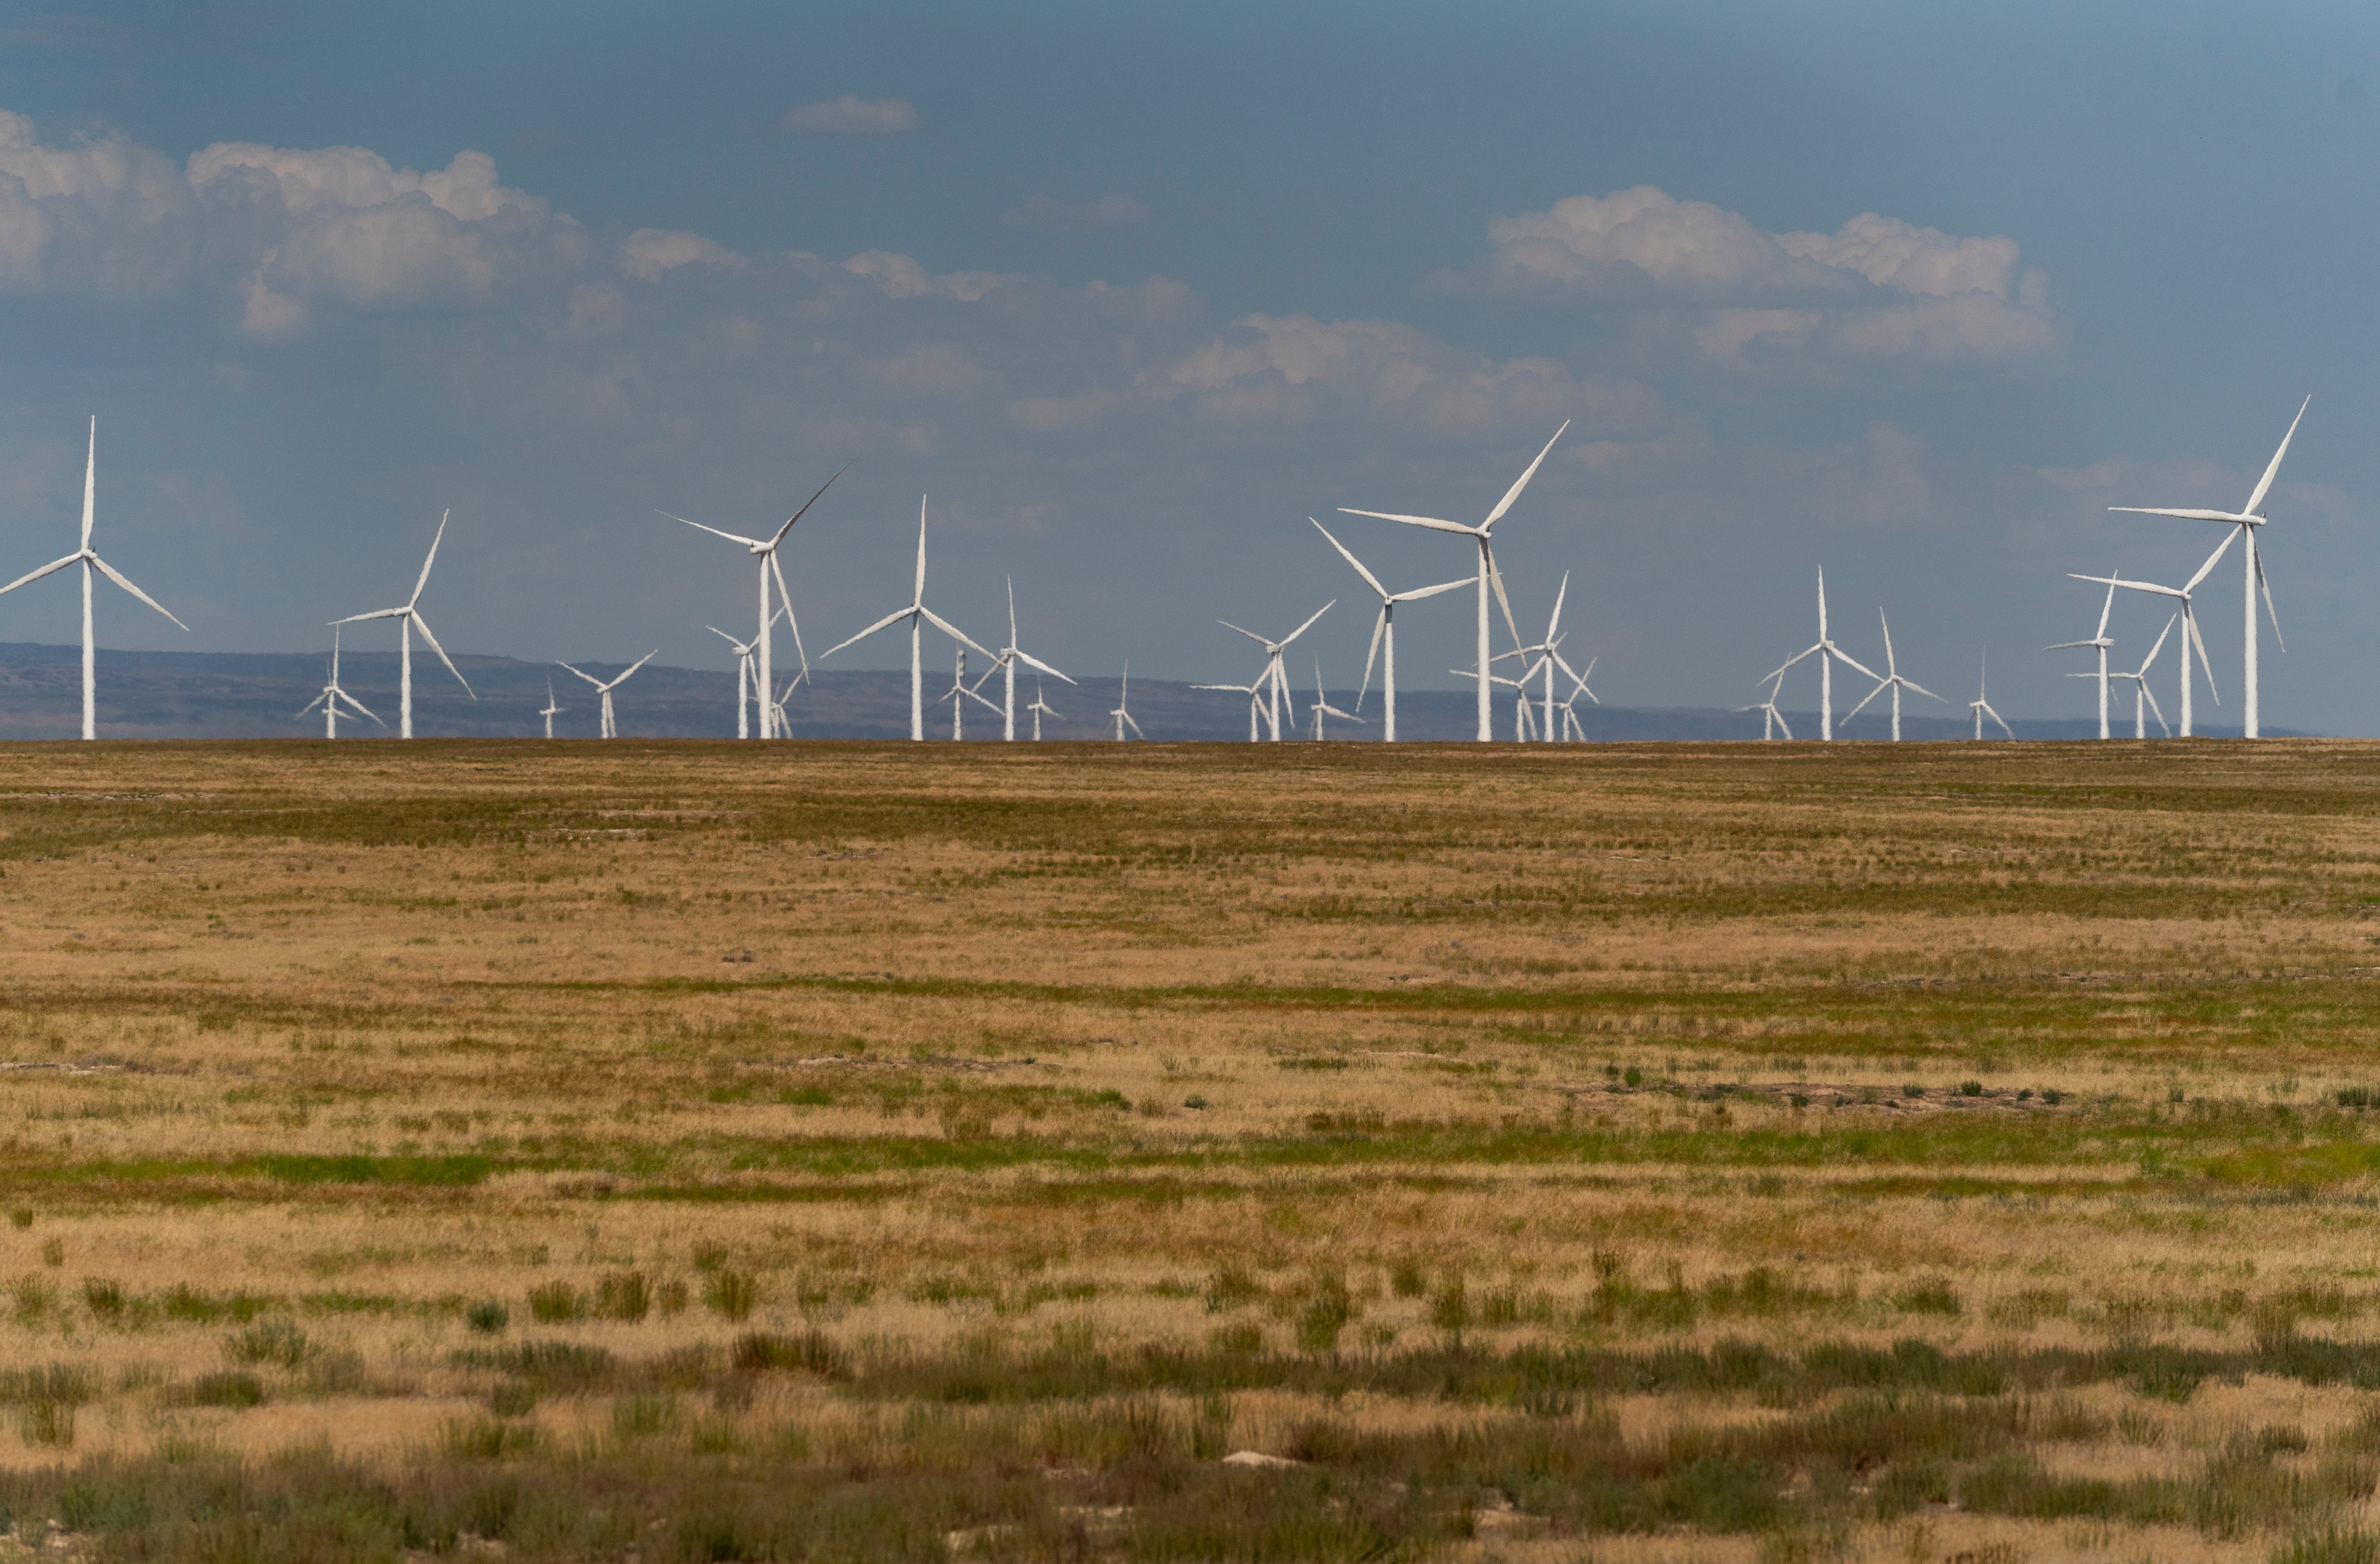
667 1152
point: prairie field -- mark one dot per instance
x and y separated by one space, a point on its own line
701 1151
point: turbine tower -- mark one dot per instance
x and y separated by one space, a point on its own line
1827 654
1487 575
2247 518
333 694
747 681
611 730
1384 636
409 618
551 710
1124 699
2101 643
916 613
90 562
767 554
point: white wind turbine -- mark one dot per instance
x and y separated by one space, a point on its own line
1545 652
777 707
611 730
1040 708
747 682
1487 575
1275 676
1256 701
1124 699
2191 639
767 554
409 618
1982 706
1524 721
90 562
2100 643
1384 636
333 694
916 612
1004 663
1827 654
1574 731
959 694
2141 691
1322 706
552 710
2247 518
1892 680
1771 719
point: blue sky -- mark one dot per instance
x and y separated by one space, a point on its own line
1911 292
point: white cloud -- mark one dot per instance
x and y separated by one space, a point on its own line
1050 213
852 115
1722 291
351 176
902 277
651 252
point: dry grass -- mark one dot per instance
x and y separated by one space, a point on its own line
1091 1110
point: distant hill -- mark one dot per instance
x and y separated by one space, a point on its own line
240 695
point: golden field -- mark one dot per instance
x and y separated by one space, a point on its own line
1956 1152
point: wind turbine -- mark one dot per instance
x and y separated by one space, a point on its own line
2191 639
552 710
1274 674
1982 706
333 694
1123 698
767 554
1005 661
1772 720
959 694
90 562
1384 635
409 618
1322 706
1573 731
1892 678
603 689
1487 575
916 612
2140 678
2101 643
2247 519
1038 707
1524 721
1827 654
1256 703
1544 652
745 680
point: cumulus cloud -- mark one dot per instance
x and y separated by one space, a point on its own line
1049 214
852 115
1736 297
650 252
902 277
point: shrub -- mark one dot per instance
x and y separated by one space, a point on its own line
511 1399
1932 1296
227 1389
1971 1088
105 1299
47 1422
1325 1316
554 1302
641 1417
730 1295
622 1296
809 1352
1450 1310
275 1341
488 1317
1406 1278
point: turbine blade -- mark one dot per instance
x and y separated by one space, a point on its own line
1560 593
117 576
1249 634
622 679
1845 658
2270 472
894 618
1369 580
2159 645
2190 624
1882 685
2155 708
359 705
785 599
1379 627
1797 657
725 637
2185 514
2270 612
2220 548
1921 689
1030 661
308 708
953 631
423 625
89 481
1520 483
1997 718
805 505
428 560
1496 579
921 550
356 618
1309 622
50 569
1429 521
1433 591
589 678
731 537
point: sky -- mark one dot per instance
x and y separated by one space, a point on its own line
1908 292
